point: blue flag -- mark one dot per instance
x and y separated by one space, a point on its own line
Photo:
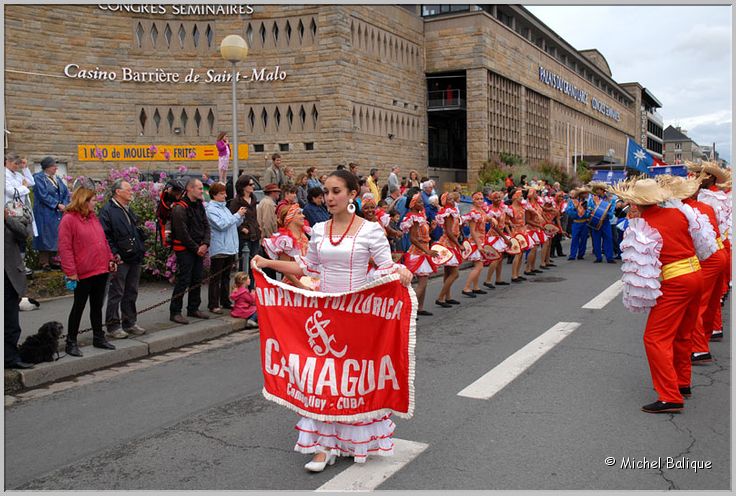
637 157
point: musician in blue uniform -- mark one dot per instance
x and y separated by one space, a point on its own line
601 212
576 212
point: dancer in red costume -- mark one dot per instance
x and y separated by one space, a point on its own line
534 222
520 232
659 245
499 240
289 241
418 257
449 219
476 220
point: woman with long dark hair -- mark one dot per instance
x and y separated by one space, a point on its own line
249 233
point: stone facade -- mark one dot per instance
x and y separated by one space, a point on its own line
354 88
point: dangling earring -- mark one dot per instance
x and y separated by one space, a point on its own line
351 207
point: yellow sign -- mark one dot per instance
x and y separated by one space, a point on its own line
149 153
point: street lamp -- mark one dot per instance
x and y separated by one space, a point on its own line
234 49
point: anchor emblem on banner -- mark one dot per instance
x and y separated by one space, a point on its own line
315 329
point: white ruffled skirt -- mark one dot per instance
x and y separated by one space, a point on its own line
356 439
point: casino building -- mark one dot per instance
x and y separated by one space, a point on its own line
437 88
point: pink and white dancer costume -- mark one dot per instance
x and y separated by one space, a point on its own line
345 268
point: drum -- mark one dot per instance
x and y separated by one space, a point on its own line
599 215
551 229
514 247
521 239
490 254
444 255
467 249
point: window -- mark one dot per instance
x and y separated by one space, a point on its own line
283 147
309 146
258 148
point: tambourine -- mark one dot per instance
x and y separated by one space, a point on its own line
523 243
490 253
310 282
551 229
444 255
514 248
467 249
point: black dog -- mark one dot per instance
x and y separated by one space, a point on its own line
41 346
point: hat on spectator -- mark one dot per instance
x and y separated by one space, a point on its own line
272 188
47 162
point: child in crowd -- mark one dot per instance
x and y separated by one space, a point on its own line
244 301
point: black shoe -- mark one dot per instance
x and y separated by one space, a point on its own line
442 304
597 261
424 312
452 302
479 291
537 271
581 258
469 295
19 365
572 258
522 278
532 273
551 265
701 359
489 285
561 254
104 344
518 279
227 307
73 350
611 261
545 267
662 407
685 391
716 336
502 283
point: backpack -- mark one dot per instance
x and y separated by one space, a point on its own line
163 219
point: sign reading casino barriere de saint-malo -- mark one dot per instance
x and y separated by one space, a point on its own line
187 76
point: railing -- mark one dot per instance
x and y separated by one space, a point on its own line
445 99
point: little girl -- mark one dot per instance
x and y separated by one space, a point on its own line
244 301
223 152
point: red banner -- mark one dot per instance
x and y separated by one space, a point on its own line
338 356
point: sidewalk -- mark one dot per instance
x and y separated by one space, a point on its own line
161 335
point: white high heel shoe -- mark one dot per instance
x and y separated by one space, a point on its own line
320 466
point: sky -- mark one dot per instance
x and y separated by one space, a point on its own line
681 54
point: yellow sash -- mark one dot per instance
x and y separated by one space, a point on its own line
681 267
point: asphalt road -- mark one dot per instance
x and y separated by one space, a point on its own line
200 422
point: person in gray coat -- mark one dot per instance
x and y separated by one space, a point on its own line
17 230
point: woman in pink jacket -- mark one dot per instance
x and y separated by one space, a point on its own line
223 155
86 259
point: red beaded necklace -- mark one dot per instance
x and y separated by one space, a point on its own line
332 222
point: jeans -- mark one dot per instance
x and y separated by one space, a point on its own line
121 295
94 289
12 323
254 317
189 268
219 288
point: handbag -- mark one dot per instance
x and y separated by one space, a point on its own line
17 208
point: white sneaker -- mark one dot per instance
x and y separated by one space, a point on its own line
136 330
117 334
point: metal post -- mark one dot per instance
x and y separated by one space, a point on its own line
235 134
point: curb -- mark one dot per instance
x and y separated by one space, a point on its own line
126 350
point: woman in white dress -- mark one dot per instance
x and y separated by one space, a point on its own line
338 253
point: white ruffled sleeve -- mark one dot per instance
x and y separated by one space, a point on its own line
701 231
409 220
380 252
721 204
472 215
444 214
277 244
310 263
640 251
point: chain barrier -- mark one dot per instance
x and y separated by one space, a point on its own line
156 305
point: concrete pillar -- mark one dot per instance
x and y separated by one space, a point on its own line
477 122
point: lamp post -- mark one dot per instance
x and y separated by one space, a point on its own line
234 49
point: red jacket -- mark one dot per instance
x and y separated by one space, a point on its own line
83 247
673 227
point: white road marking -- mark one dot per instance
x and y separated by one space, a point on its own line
606 296
508 370
369 475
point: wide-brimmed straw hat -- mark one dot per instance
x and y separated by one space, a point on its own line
593 185
724 186
576 191
640 192
721 174
693 167
679 187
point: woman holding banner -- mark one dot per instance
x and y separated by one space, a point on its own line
338 252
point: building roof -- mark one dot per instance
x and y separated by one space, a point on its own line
673 134
646 94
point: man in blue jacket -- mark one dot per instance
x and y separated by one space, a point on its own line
603 235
